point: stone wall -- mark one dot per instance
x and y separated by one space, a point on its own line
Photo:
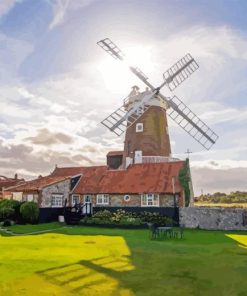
213 218
62 188
168 200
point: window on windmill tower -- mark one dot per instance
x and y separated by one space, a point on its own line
139 127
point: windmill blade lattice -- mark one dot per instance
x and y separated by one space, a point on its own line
180 71
194 126
111 48
123 117
178 111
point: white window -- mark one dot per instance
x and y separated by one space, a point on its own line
150 200
139 127
75 199
57 200
30 197
102 199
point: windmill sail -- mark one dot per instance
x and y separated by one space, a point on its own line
124 117
194 126
111 48
178 111
180 71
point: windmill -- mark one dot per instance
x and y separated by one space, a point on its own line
151 107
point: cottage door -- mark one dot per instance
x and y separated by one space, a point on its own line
87 205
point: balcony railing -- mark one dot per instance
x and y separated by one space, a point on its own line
158 159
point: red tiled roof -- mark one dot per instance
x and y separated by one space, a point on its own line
138 178
115 153
7 182
70 171
37 184
67 171
91 179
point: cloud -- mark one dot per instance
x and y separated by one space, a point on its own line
12 53
6 6
61 7
219 164
57 120
220 180
47 138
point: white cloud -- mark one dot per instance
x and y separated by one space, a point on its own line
12 53
208 180
73 104
61 7
6 6
219 164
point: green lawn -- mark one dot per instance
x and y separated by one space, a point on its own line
94 261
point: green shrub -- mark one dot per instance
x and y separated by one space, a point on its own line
6 212
9 209
105 214
155 217
118 215
130 221
29 211
9 203
7 222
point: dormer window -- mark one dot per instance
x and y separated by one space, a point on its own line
139 127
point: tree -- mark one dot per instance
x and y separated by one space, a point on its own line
184 179
29 211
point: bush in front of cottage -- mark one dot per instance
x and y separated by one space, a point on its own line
29 212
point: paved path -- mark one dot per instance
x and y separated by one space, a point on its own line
29 233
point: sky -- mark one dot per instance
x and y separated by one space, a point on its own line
56 84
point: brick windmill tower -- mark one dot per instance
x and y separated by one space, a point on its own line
148 137
143 115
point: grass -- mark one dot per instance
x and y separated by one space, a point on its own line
95 261
225 205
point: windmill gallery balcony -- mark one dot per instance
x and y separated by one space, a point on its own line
158 159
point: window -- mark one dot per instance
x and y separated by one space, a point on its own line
102 199
75 199
139 127
150 200
87 198
30 197
126 198
57 200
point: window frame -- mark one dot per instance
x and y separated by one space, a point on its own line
104 199
150 200
56 204
139 124
126 198
30 197
75 196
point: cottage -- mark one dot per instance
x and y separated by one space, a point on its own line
48 192
140 185
6 182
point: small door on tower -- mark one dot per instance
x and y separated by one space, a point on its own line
138 156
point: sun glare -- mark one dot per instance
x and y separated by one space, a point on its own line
116 74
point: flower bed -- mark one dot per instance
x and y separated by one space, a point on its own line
123 219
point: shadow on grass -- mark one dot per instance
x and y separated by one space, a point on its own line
189 266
